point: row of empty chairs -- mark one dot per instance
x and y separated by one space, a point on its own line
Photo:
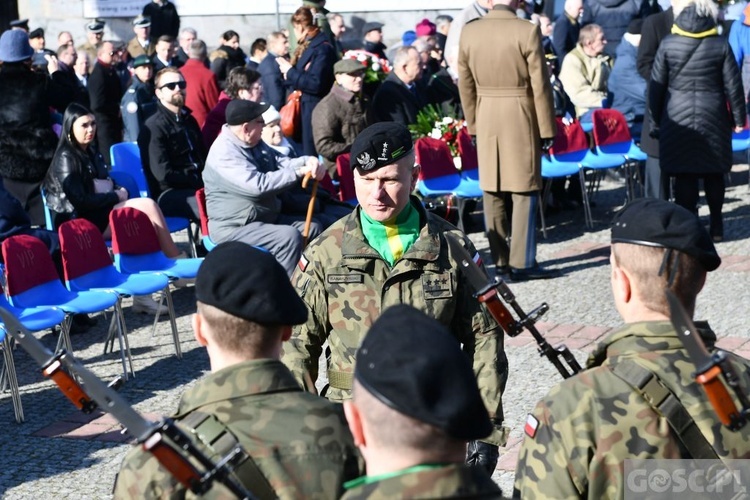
93 283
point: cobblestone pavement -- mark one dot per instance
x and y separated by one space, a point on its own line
60 453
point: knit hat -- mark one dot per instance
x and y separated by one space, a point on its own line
426 28
15 47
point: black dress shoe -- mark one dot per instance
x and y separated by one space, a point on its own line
533 273
503 272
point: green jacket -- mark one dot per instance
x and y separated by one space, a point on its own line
589 424
300 442
346 285
450 481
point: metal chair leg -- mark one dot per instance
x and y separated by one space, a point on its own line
10 373
173 322
586 205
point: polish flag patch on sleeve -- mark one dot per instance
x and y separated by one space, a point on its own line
477 259
532 424
303 262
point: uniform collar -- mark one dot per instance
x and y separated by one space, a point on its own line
264 376
643 337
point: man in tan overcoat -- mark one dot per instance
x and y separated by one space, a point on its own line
507 99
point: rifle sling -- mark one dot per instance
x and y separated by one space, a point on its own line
221 441
664 402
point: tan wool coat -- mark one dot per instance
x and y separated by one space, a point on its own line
507 99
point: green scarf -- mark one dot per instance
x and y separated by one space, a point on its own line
361 481
392 240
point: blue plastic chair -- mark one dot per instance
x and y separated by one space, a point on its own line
33 319
438 175
126 157
137 248
741 140
612 140
87 266
200 197
50 226
32 281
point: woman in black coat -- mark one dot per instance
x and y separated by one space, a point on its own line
227 57
310 71
78 185
693 79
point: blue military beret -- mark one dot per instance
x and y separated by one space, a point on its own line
249 283
411 363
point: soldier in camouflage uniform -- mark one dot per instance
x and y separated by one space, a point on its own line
414 406
298 443
640 381
391 251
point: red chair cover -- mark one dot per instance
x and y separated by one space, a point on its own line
435 158
83 248
200 198
610 127
468 152
570 138
27 263
132 232
346 178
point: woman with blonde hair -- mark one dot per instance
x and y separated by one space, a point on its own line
310 70
695 100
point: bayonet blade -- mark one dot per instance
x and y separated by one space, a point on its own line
688 333
476 276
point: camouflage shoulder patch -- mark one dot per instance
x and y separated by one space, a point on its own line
532 424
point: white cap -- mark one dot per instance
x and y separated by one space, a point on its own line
271 115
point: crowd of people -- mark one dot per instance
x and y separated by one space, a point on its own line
417 361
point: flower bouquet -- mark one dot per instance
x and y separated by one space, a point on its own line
376 69
431 122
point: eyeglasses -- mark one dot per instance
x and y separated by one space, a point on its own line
173 85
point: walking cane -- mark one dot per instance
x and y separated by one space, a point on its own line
310 207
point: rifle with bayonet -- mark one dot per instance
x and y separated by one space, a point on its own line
170 445
710 369
489 293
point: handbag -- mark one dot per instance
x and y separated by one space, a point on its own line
291 116
103 186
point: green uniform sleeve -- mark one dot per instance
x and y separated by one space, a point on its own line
141 476
302 351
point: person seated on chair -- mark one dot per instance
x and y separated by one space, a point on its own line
274 137
172 149
77 185
250 188
585 71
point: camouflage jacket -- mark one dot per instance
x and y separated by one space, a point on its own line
580 434
450 481
300 442
346 284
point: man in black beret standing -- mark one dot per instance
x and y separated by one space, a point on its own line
638 398
391 251
415 404
298 444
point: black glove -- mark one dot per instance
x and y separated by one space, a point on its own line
474 141
546 144
654 133
481 454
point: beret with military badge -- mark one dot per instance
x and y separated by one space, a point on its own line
380 145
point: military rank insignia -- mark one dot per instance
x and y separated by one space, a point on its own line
532 424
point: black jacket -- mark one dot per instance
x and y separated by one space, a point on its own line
395 102
225 59
655 28
565 35
375 48
164 19
692 80
172 151
274 92
69 185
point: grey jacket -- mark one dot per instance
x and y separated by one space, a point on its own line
243 183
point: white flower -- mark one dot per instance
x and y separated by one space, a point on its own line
436 134
361 58
375 67
374 59
447 120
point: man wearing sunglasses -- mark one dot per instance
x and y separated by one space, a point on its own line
172 150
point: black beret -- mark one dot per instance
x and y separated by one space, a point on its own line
249 283
371 26
380 145
659 223
240 111
37 33
411 363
